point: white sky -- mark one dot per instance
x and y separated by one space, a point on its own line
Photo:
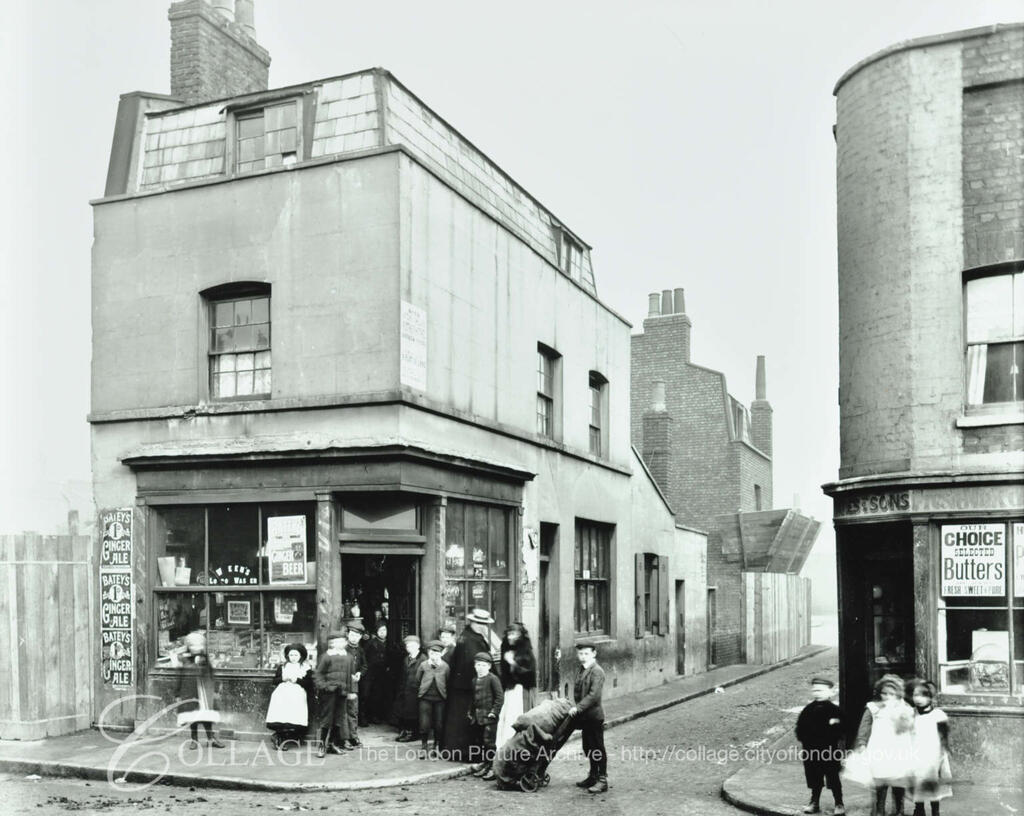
689 143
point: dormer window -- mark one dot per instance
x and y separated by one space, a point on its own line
266 137
570 255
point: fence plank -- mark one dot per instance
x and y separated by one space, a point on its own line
85 644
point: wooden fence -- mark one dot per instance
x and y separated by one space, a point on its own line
47 635
777 615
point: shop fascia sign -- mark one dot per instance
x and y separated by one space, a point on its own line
959 499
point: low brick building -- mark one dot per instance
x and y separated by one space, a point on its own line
712 456
929 503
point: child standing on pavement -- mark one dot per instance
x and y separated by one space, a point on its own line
333 681
354 633
930 771
819 728
407 707
885 735
488 697
432 689
586 691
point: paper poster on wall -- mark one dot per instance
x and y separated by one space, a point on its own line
531 555
1018 559
413 347
973 560
286 549
117 599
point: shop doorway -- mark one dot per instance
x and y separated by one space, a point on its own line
379 588
680 627
547 589
889 592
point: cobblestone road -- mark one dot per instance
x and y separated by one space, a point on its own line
673 762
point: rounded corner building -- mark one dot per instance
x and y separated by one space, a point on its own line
929 504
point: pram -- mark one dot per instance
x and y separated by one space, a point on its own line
522 762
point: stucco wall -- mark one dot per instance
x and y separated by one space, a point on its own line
326 240
489 299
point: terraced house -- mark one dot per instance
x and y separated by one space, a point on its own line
346 366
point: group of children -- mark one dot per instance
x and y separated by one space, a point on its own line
899 745
422 701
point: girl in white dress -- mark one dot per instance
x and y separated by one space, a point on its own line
288 712
930 771
885 733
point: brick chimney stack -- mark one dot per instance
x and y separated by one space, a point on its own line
657 437
761 411
214 53
667 323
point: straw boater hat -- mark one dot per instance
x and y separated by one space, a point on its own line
479 615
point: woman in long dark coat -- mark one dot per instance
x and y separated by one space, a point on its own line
460 684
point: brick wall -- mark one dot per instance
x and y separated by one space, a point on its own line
212 57
930 182
709 472
993 143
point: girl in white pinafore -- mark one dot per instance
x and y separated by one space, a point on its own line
930 771
886 734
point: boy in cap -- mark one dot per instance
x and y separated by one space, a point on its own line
333 680
488 698
432 690
356 717
819 728
447 637
407 703
589 714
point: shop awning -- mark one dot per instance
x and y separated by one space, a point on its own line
769 540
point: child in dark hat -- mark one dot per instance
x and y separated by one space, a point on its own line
407 706
288 712
488 697
354 632
589 713
432 690
819 728
335 687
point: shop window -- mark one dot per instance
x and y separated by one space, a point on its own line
548 386
239 346
266 137
598 414
591 571
477 559
994 307
242 573
981 609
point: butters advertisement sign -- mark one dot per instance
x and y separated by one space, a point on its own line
973 560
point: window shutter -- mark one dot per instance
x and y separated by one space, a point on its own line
665 616
638 560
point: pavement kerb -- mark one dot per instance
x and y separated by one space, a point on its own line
71 770
732 788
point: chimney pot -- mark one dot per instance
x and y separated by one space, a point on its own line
666 301
658 396
760 386
245 16
653 305
226 8
679 301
